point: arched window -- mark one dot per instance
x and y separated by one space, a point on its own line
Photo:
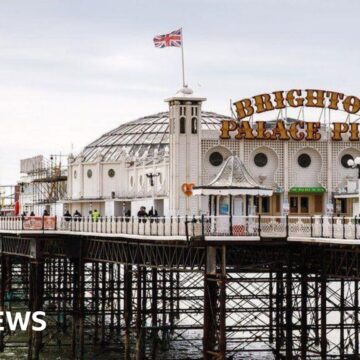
182 125
194 125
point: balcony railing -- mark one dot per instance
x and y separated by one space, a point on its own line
206 227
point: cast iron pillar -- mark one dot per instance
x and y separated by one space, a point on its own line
4 271
304 324
36 296
154 312
127 307
323 311
214 341
78 307
289 310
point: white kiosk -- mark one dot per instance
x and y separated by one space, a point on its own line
231 196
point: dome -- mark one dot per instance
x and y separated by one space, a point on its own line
141 138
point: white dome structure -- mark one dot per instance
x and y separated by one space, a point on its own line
147 134
128 167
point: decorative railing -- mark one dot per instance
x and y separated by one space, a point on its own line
195 226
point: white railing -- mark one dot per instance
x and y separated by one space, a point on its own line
196 226
156 226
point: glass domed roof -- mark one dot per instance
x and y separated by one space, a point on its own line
141 139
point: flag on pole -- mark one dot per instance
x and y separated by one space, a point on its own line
173 39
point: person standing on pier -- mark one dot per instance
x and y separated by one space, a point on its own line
77 215
95 215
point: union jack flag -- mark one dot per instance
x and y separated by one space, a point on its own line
172 39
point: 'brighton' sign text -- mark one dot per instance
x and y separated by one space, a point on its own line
278 100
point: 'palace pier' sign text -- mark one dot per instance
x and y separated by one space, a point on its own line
297 130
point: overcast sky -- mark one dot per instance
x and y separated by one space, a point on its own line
71 70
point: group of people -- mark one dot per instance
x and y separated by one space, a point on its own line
76 216
94 215
151 214
142 212
25 213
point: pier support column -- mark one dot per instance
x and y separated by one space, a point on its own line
278 313
222 305
4 272
140 312
356 318
104 274
304 324
271 309
323 340
36 296
214 341
78 308
154 312
342 319
96 286
289 309
127 307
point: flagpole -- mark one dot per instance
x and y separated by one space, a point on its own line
182 58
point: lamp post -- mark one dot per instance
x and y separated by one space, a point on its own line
355 164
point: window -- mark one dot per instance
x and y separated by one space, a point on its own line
194 125
256 203
111 173
260 159
75 174
304 160
262 204
89 173
131 181
341 206
216 158
304 204
140 180
182 125
265 205
293 205
160 178
344 160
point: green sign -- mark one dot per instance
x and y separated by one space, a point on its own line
307 190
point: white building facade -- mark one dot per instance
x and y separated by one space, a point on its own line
158 160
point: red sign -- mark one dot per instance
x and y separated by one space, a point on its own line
39 223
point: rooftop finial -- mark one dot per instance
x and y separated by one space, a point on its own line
185 90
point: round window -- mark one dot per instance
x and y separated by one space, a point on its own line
216 158
344 160
75 174
260 159
89 173
111 173
304 160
